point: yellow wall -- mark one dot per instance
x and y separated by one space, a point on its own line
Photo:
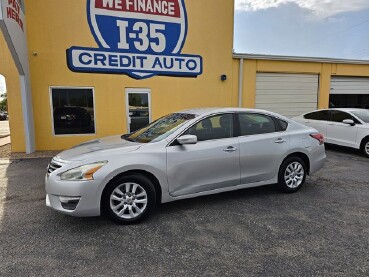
324 70
64 24
10 72
210 34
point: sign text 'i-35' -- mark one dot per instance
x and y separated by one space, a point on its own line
140 38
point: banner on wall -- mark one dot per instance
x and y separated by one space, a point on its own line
139 38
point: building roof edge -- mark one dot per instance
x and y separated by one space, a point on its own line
297 58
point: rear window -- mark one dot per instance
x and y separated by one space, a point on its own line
320 115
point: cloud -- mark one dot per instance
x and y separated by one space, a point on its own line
318 7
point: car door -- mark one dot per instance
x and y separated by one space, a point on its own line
212 163
341 133
318 120
263 145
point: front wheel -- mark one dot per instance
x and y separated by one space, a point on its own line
129 199
292 174
365 147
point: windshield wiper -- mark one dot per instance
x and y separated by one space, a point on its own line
127 138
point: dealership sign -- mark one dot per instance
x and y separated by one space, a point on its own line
12 23
140 38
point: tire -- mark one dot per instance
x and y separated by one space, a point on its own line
287 182
129 199
365 147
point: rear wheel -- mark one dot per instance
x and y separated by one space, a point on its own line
129 199
365 147
292 174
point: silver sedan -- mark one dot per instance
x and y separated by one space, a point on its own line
182 155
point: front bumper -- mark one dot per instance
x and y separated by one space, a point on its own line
87 192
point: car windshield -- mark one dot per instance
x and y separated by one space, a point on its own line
159 129
362 114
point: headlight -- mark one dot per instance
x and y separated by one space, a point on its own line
82 173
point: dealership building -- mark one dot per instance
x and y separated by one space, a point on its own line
81 70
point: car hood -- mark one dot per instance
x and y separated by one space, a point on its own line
80 152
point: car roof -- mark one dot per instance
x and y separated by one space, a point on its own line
206 111
339 109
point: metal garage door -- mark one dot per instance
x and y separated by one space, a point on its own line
349 92
287 94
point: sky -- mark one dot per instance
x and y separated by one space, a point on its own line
312 28
2 85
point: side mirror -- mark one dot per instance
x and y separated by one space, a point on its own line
349 122
187 139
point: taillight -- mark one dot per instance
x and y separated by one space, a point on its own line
318 137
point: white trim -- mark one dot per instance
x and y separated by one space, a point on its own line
240 85
183 29
132 15
95 26
136 91
297 59
52 110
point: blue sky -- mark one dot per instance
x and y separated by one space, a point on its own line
319 28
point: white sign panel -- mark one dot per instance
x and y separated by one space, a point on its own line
12 23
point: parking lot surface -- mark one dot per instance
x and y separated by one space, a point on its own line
323 230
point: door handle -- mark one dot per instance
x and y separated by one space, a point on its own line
230 149
280 140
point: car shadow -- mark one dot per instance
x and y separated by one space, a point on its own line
343 150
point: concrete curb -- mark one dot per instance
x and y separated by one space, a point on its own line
9 160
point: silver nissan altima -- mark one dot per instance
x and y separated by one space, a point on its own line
182 155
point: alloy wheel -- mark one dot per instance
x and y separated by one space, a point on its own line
128 200
294 175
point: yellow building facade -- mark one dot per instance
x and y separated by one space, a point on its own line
88 54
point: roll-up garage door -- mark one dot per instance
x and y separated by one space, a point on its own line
349 92
287 94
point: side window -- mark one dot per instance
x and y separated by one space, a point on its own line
211 128
320 115
283 124
254 124
338 116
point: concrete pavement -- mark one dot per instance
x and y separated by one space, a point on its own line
4 128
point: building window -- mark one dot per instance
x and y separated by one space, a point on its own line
73 111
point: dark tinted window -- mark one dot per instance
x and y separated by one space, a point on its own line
73 111
283 124
349 101
211 128
320 115
338 116
254 124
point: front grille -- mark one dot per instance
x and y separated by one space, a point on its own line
52 167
